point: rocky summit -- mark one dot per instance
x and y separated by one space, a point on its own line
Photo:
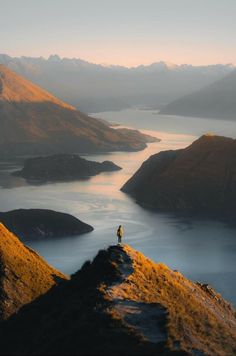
198 179
24 275
123 303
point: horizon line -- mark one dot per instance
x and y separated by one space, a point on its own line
107 65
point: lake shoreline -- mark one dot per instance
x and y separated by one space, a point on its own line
202 249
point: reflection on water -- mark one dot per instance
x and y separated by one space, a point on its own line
152 120
201 249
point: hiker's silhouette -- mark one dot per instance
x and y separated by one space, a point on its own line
120 233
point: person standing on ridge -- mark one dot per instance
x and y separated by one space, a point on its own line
120 233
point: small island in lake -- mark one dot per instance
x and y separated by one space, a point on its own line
41 223
63 167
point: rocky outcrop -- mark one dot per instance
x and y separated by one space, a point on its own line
63 168
198 179
34 122
24 275
42 223
123 304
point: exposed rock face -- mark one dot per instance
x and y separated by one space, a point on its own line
123 304
200 178
24 275
42 223
63 168
217 100
32 121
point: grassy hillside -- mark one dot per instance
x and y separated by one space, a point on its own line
24 275
124 304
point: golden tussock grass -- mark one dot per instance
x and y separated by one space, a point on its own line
24 274
196 318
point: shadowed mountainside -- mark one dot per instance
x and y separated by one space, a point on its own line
32 122
62 168
42 223
200 178
124 304
217 100
24 275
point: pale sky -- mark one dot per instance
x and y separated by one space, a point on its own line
124 32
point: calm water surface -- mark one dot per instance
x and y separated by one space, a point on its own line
201 249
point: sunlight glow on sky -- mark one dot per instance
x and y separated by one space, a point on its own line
124 32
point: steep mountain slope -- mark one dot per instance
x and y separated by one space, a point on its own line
200 178
14 88
32 121
217 100
24 275
92 87
124 304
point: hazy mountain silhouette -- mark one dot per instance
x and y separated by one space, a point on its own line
32 121
197 179
217 100
91 87
123 304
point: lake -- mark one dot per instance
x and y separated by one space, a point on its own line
202 249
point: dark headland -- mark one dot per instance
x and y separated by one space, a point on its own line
199 179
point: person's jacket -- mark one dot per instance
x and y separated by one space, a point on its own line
120 232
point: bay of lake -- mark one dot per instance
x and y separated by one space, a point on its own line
202 249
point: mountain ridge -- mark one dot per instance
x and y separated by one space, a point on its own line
96 88
161 63
30 92
125 304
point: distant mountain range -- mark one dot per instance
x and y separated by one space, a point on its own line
217 100
33 121
93 88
